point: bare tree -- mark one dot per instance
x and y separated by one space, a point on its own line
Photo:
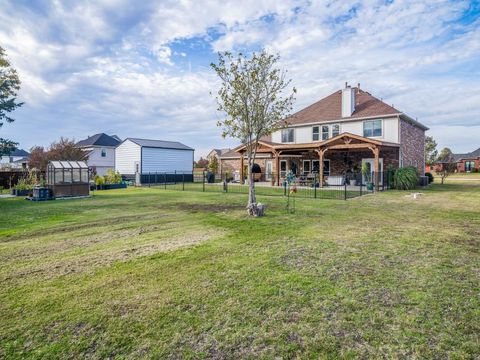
251 97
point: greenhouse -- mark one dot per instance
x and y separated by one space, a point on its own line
68 178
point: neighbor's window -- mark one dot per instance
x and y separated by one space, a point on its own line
372 128
287 135
325 132
335 130
315 133
469 165
104 153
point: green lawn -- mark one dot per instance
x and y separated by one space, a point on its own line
167 274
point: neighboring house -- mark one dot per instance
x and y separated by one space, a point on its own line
336 135
18 159
100 149
217 153
152 156
468 162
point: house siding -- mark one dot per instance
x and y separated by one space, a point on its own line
412 148
303 134
126 155
101 164
166 160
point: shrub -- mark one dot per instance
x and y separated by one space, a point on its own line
475 170
406 178
23 184
99 180
113 177
430 177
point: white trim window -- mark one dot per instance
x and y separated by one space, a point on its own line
315 133
283 168
325 132
372 128
335 130
306 167
288 135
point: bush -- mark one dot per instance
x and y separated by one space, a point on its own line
406 178
474 170
112 177
430 177
23 184
99 180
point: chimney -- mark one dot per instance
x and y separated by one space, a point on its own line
348 101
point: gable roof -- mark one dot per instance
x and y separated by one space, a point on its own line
160 144
99 140
330 109
19 152
471 155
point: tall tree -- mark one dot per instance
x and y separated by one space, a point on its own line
65 149
9 85
431 152
251 97
447 163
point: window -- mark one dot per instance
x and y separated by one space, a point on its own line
287 135
315 133
469 165
306 167
325 132
315 165
283 168
372 128
104 153
326 167
335 130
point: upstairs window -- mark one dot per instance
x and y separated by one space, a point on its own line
104 153
325 132
315 133
335 130
372 128
287 135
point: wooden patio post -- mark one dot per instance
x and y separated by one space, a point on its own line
376 152
277 166
320 167
242 175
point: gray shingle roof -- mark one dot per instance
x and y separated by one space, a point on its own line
99 140
160 144
471 155
19 152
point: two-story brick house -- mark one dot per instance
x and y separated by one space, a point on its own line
335 135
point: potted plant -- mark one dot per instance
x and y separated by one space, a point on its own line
367 175
23 188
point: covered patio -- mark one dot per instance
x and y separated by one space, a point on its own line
324 161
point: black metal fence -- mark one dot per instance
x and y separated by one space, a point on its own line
340 187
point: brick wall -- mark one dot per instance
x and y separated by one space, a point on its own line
412 147
461 165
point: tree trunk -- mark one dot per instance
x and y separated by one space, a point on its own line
252 208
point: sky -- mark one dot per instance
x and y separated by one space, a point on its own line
142 68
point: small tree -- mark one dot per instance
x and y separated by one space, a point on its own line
9 85
202 163
251 97
431 152
38 158
447 162
65 149
213 165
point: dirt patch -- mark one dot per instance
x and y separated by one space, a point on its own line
209 207
90 261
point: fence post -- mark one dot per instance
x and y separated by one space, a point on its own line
361 185
165 180
315 186
156 177
149 178
175 177
284 188
183 181
203 181
345 192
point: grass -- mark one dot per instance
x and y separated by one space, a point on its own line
165 274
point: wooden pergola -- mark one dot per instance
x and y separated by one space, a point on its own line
344 141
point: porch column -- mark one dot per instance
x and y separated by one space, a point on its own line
320 167
277 166
242 177
376 167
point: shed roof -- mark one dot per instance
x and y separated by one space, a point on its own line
160 144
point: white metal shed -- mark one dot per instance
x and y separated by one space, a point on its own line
152 156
